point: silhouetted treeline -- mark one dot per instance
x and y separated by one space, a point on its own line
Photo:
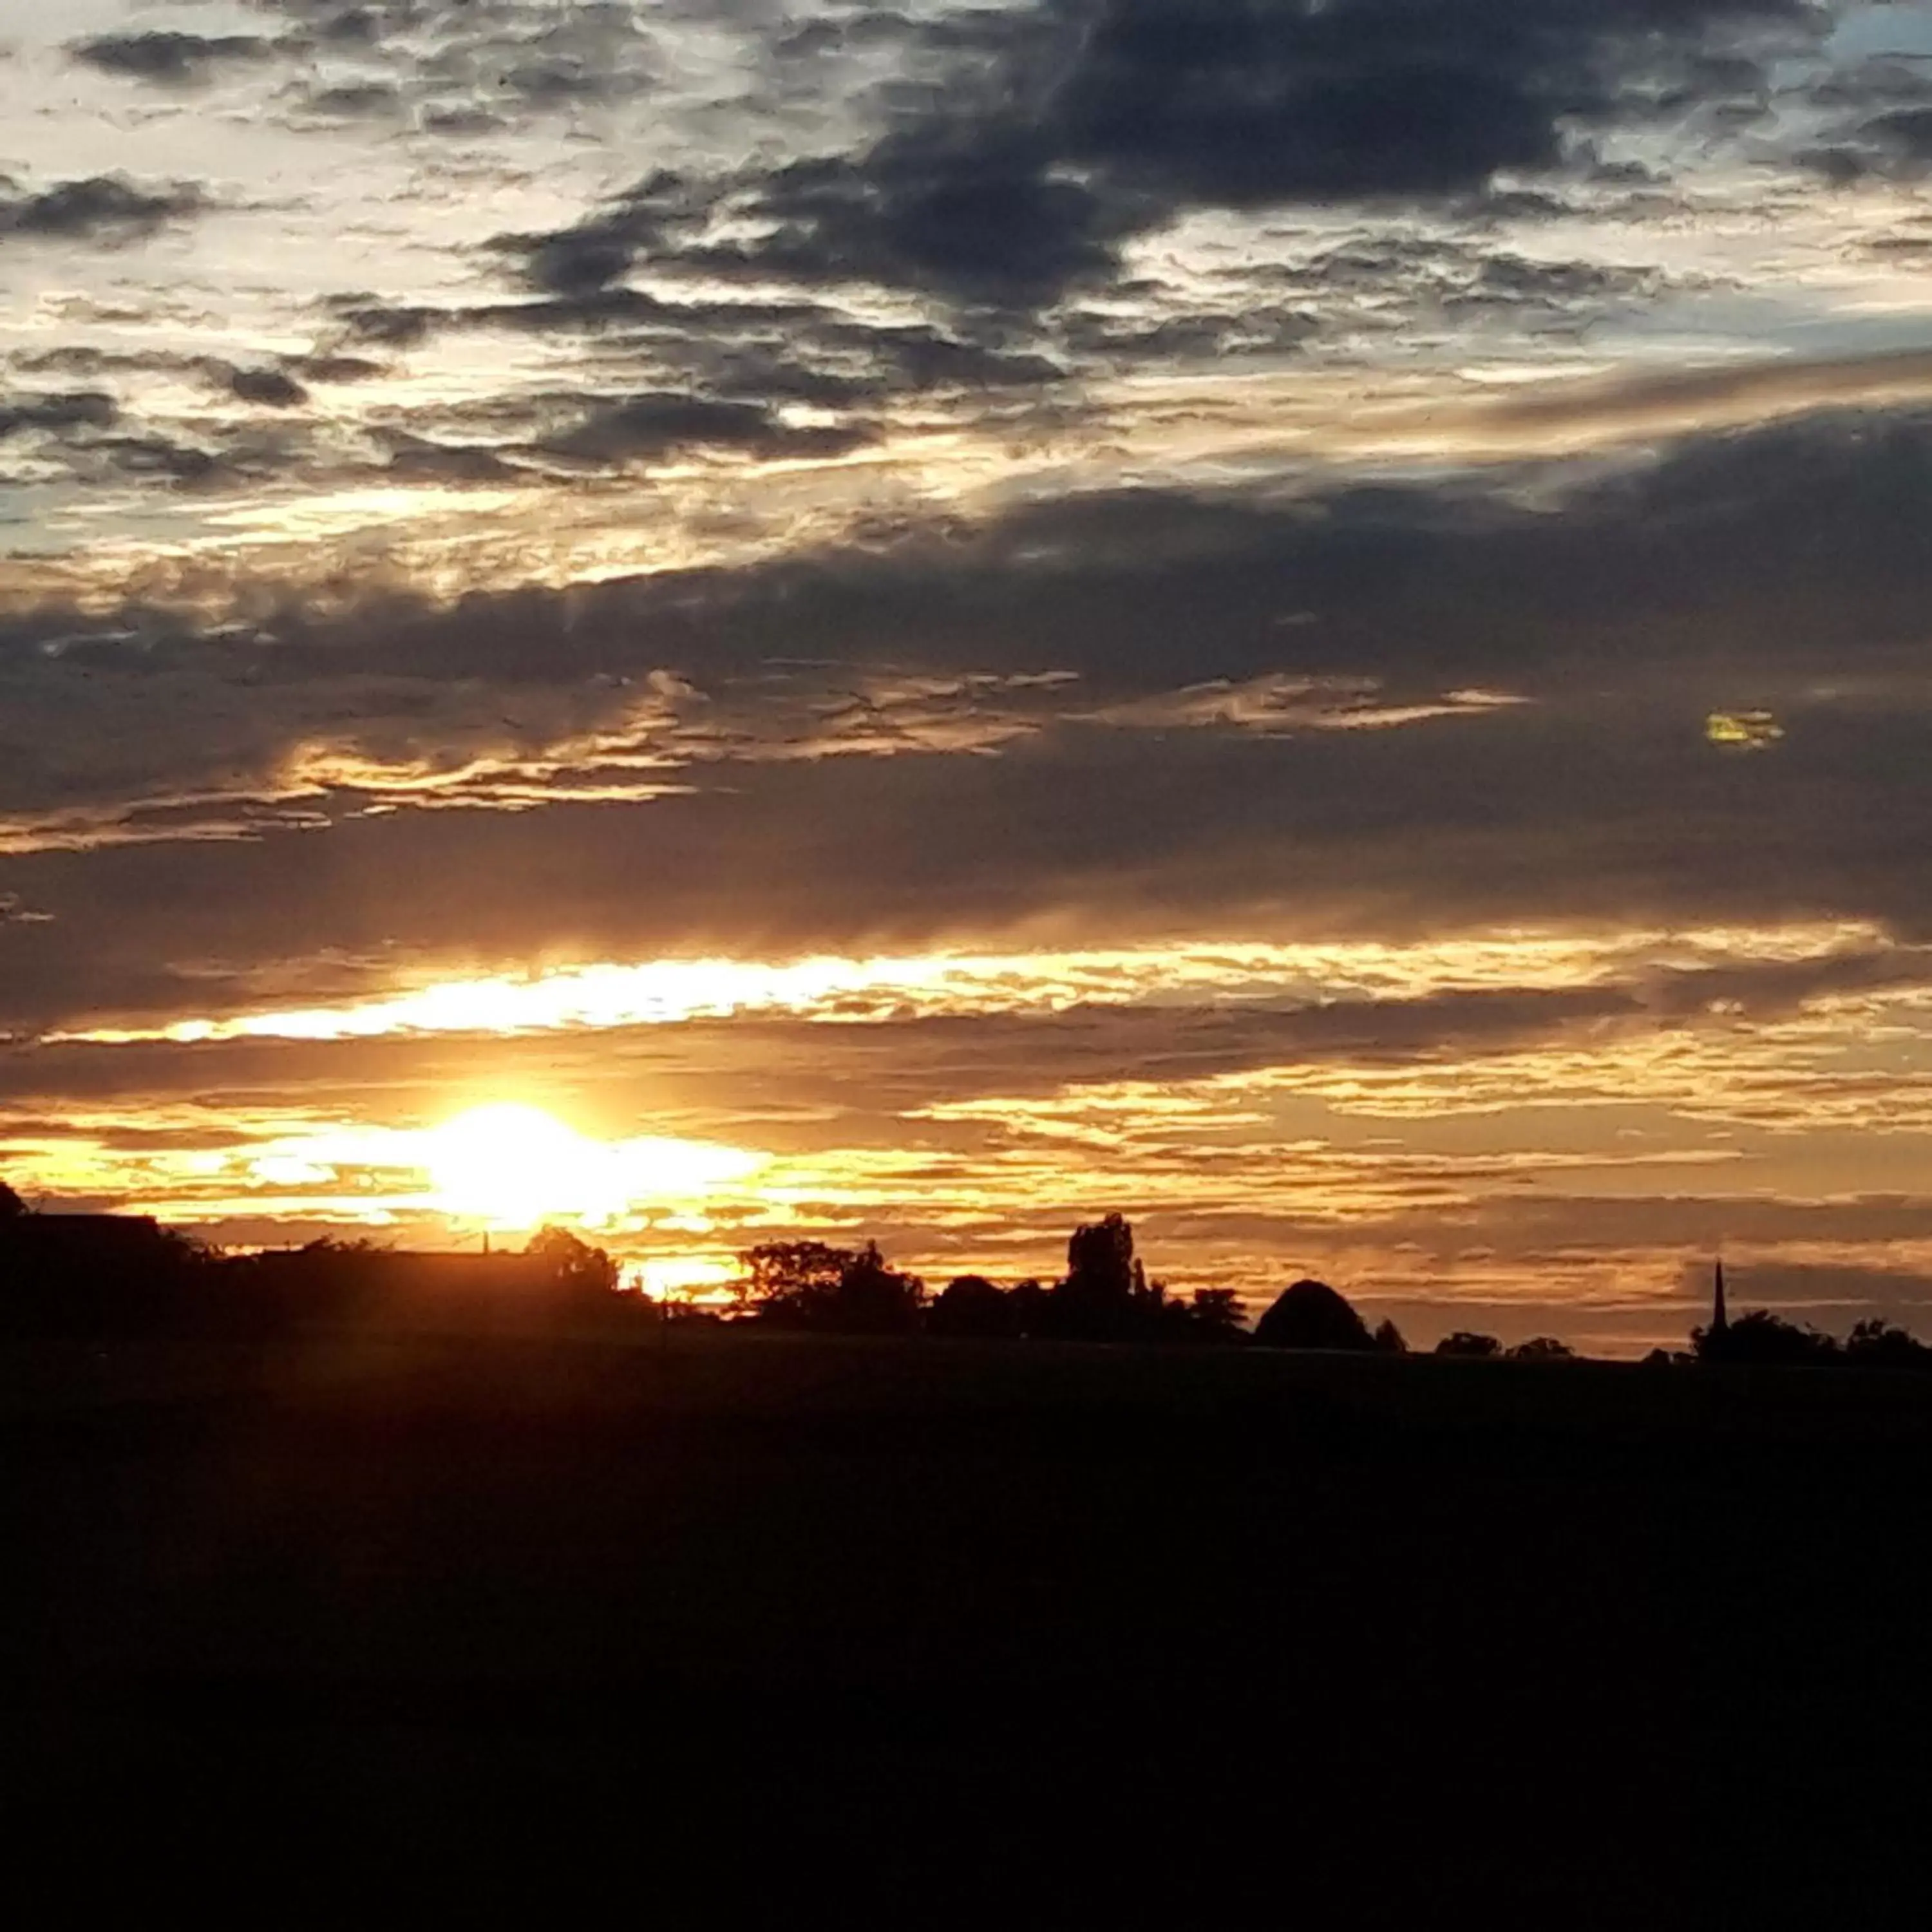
110 1273
1105 1296
1762 1339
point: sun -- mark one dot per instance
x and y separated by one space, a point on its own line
510 1166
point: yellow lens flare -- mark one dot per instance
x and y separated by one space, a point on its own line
512 1166
1742 731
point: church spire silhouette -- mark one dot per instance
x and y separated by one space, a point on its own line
1719 1321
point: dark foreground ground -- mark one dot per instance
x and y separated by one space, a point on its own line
1056 1635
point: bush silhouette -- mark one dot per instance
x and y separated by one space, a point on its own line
1542 1349
1466 1341
1388 1338
1311 1314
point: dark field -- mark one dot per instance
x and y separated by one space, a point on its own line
1047 1631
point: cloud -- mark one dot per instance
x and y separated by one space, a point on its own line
415 459
101 208
442 67
211 464
1044 139
1232 104
74 409
1276 703
1893 143
649 427
274 389
172 59
347 101
597 251
1022 726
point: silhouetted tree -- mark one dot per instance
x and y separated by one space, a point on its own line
1100 1257
12 1207
1214 1314
783 1279
972 1305
1874 1344
1542 1349
1311 1314
1106 1296
1388 1338
809 1285
576 1267
875 1299
1466 1341
1094 1303
1761 1339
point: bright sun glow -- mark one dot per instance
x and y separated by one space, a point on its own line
513 1166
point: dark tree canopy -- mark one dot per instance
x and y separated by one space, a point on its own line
1311 1314
11 1206
1100 1264
1468 1343
576 1267
972 1305
1875 1344
1105 1297
811 1285
1217 1312
1763 1339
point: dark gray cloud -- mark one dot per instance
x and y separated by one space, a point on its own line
367 317
444 67
749 351
1017 173
348 100
173 59
1893 146
1376 284
647 428
1232 103
273 388
210 463
266 385
1880 117
99 208
71 409
416 459
338 368
100 438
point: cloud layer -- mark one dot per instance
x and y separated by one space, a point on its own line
1306 620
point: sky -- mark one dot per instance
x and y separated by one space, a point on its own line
731 620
